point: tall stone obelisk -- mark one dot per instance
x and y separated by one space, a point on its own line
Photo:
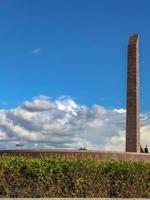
133 115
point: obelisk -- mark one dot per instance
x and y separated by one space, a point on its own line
133 115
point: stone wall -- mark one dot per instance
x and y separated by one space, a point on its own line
98 155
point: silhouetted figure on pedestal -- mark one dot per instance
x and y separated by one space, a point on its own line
141 149
146 149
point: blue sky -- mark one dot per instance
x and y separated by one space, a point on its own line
71 47
76 49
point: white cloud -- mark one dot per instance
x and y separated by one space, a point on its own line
43 123
121 110
36 51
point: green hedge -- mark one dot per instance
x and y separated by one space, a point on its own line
24 177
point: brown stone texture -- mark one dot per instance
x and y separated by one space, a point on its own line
132 116
64 154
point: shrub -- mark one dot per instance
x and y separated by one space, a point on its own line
47 177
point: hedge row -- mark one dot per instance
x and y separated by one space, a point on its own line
24 177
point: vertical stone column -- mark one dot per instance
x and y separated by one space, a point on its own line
133 115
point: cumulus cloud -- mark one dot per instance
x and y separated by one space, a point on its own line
63 123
